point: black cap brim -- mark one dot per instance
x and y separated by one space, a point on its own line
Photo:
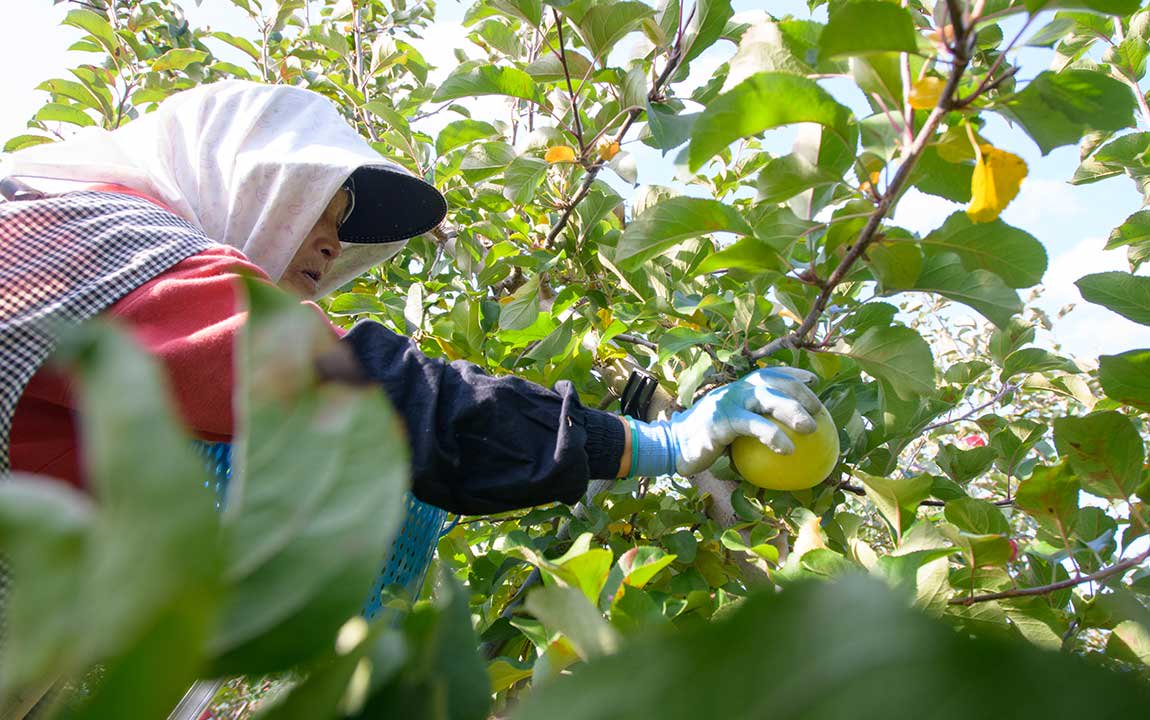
391 206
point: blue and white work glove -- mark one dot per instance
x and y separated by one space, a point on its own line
754 405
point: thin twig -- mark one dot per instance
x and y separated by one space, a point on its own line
856 490
570 89
1102 574
1002 392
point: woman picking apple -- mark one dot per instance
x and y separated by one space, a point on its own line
165 214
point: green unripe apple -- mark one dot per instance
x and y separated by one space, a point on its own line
814 457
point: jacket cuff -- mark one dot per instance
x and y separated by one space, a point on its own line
604 445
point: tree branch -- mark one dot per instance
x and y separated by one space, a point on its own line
961 51
1002 392
562 53
1102 574
593 170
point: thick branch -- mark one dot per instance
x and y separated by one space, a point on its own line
1102 574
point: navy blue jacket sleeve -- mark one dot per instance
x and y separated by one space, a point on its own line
484 444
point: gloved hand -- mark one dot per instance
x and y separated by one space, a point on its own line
693 439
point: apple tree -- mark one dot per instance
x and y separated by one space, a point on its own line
985 482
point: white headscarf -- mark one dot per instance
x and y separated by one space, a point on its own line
254 166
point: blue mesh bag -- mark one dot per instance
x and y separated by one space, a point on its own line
405 565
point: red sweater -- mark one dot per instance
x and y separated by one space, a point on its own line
187 318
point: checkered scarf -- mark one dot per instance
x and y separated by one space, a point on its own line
63 260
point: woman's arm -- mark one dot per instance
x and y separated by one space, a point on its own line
483 444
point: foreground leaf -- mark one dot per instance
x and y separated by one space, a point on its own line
833 650
1105 450
897 355
1057 109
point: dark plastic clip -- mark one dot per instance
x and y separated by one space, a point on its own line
636 399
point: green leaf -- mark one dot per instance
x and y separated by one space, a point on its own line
897 498
1108 7
944 274
854 636
895 264
750 253
178 59
442 675
787 176
764 551
531 11
708 21
462 132
504 672
314 484
935 175
897 355
669 128
485 160
1032 360
761 102
604 25
240 43
964 465
523 309
1050 496
1057 109
140 603
522 178
1133 233
867 26
57 112
977 516
568 611
23 141
1105 450
467 82
549 68
45 529
1126 294
680 338
640 565
668 223
980 549
1126 378
95 25
1014 255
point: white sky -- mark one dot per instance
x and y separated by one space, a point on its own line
1072 222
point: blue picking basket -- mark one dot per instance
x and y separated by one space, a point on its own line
405 566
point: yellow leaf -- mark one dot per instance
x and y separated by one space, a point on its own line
925 93
608 150
997 177
560 154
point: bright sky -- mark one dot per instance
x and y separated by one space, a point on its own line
1072 222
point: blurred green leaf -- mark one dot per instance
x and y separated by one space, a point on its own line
317 482
601 26
834 648
867 26
964 465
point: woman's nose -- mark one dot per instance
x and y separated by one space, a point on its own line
329 246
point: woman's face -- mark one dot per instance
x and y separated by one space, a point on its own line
319 250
